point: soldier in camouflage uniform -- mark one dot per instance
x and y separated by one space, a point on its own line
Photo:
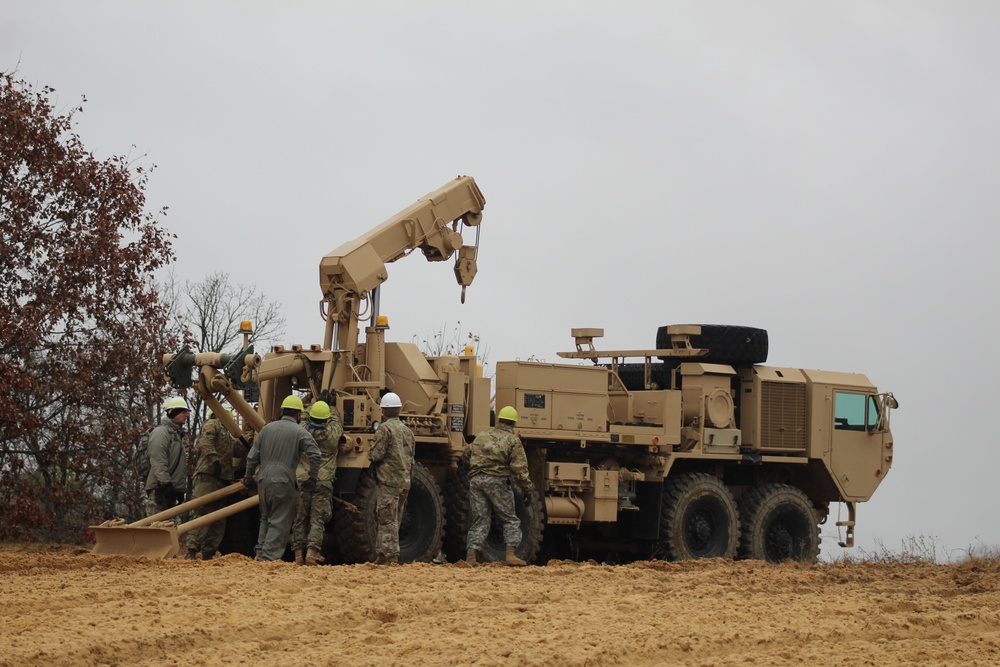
392 458
315 509
216 450
496 457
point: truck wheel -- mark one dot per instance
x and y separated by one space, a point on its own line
726 344
457 512
699 518
420 531
355 531
778 523
529 510
241 533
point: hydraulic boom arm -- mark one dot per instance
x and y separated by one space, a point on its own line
350 273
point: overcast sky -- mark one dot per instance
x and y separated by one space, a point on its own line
826 171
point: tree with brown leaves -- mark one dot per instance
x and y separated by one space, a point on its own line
81 324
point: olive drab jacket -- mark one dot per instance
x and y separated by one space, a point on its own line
392 454
215 444
327 436
167 463
498 452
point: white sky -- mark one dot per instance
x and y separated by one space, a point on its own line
827 171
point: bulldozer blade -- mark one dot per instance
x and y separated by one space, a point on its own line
158 541
143 541
112 541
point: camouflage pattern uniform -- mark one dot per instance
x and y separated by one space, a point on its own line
495 456
392 457
315 509
278 448
214 471
166 483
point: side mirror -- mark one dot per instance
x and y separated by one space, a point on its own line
891 402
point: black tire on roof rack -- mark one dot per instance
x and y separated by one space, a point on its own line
726 344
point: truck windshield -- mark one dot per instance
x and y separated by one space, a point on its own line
854 412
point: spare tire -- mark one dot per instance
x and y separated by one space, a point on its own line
726 344
633 375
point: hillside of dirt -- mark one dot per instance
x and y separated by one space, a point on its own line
64 606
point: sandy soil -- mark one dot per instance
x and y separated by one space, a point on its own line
64 606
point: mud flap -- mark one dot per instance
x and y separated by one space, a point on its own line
346 480
646 522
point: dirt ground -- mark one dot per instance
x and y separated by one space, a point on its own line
65 606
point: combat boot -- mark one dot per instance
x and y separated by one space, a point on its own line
380 559
313 556
300 557
512 558
470 558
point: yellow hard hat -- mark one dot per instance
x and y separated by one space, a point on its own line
320 410
507 413
292 402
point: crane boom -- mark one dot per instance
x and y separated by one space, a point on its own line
349 274
429 224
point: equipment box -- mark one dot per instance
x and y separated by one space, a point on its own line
550 396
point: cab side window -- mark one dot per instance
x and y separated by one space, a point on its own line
854 412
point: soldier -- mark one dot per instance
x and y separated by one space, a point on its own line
496 457
213 472
278 448
166 482
315 509
392 457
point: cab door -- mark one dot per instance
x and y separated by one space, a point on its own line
856 456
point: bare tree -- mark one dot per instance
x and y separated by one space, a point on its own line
454 341
207 315
210 312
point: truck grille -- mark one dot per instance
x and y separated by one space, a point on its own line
782 416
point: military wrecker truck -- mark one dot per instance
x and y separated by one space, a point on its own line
691 449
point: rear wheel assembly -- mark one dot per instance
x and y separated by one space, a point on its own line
529 511
778 523
421 529
457 512
699 518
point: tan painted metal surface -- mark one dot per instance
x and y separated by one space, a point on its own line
142 538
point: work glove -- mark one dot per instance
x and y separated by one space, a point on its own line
217 468
309 485
249 483
171 495
526 489
158 495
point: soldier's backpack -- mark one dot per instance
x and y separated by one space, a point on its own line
141 456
